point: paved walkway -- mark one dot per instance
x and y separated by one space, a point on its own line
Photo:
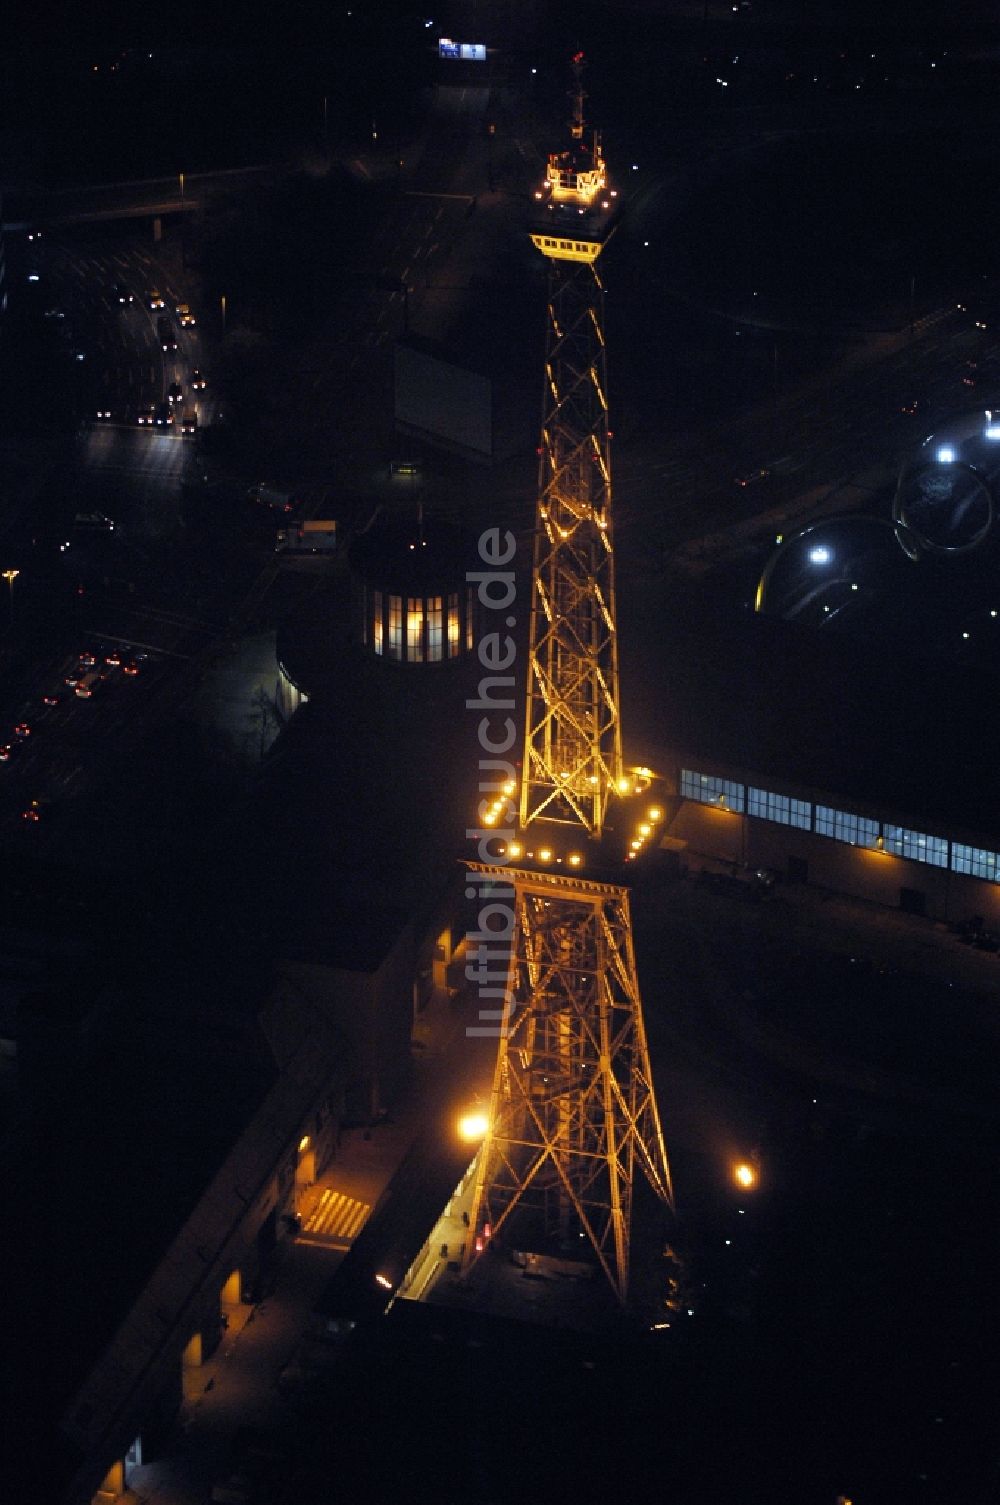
237 1387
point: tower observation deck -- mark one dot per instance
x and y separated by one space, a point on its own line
575 207
573 1115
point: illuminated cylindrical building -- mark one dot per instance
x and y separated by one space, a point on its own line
414 604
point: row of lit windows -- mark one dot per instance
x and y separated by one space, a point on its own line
975 861
425 626
709 790
921 848
767 805
566 245
840 825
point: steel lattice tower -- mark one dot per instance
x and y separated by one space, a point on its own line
572 739
573 1115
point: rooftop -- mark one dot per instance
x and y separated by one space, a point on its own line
809 709
412 554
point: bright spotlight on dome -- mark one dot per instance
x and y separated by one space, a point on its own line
945 454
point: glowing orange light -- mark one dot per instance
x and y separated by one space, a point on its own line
473 1126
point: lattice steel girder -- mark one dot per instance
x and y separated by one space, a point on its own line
572 745
573 1114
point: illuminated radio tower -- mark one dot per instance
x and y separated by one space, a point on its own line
572 737
573 1114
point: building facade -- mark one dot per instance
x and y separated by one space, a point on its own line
726 814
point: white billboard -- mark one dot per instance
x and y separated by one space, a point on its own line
468 52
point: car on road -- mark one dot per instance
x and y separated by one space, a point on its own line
22 729
175 392
189 423
198 380
146 415
156 299
51 699
113 657
751 477
131 668
88 659
103 415
85 688
165 331
185 316
32 813
164 415
6 752
122 293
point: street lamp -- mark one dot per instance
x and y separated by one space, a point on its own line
745 1175
473 1126
183 239
10 576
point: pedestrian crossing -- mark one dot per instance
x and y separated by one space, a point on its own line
336 1216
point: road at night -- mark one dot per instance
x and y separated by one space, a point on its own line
123 201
